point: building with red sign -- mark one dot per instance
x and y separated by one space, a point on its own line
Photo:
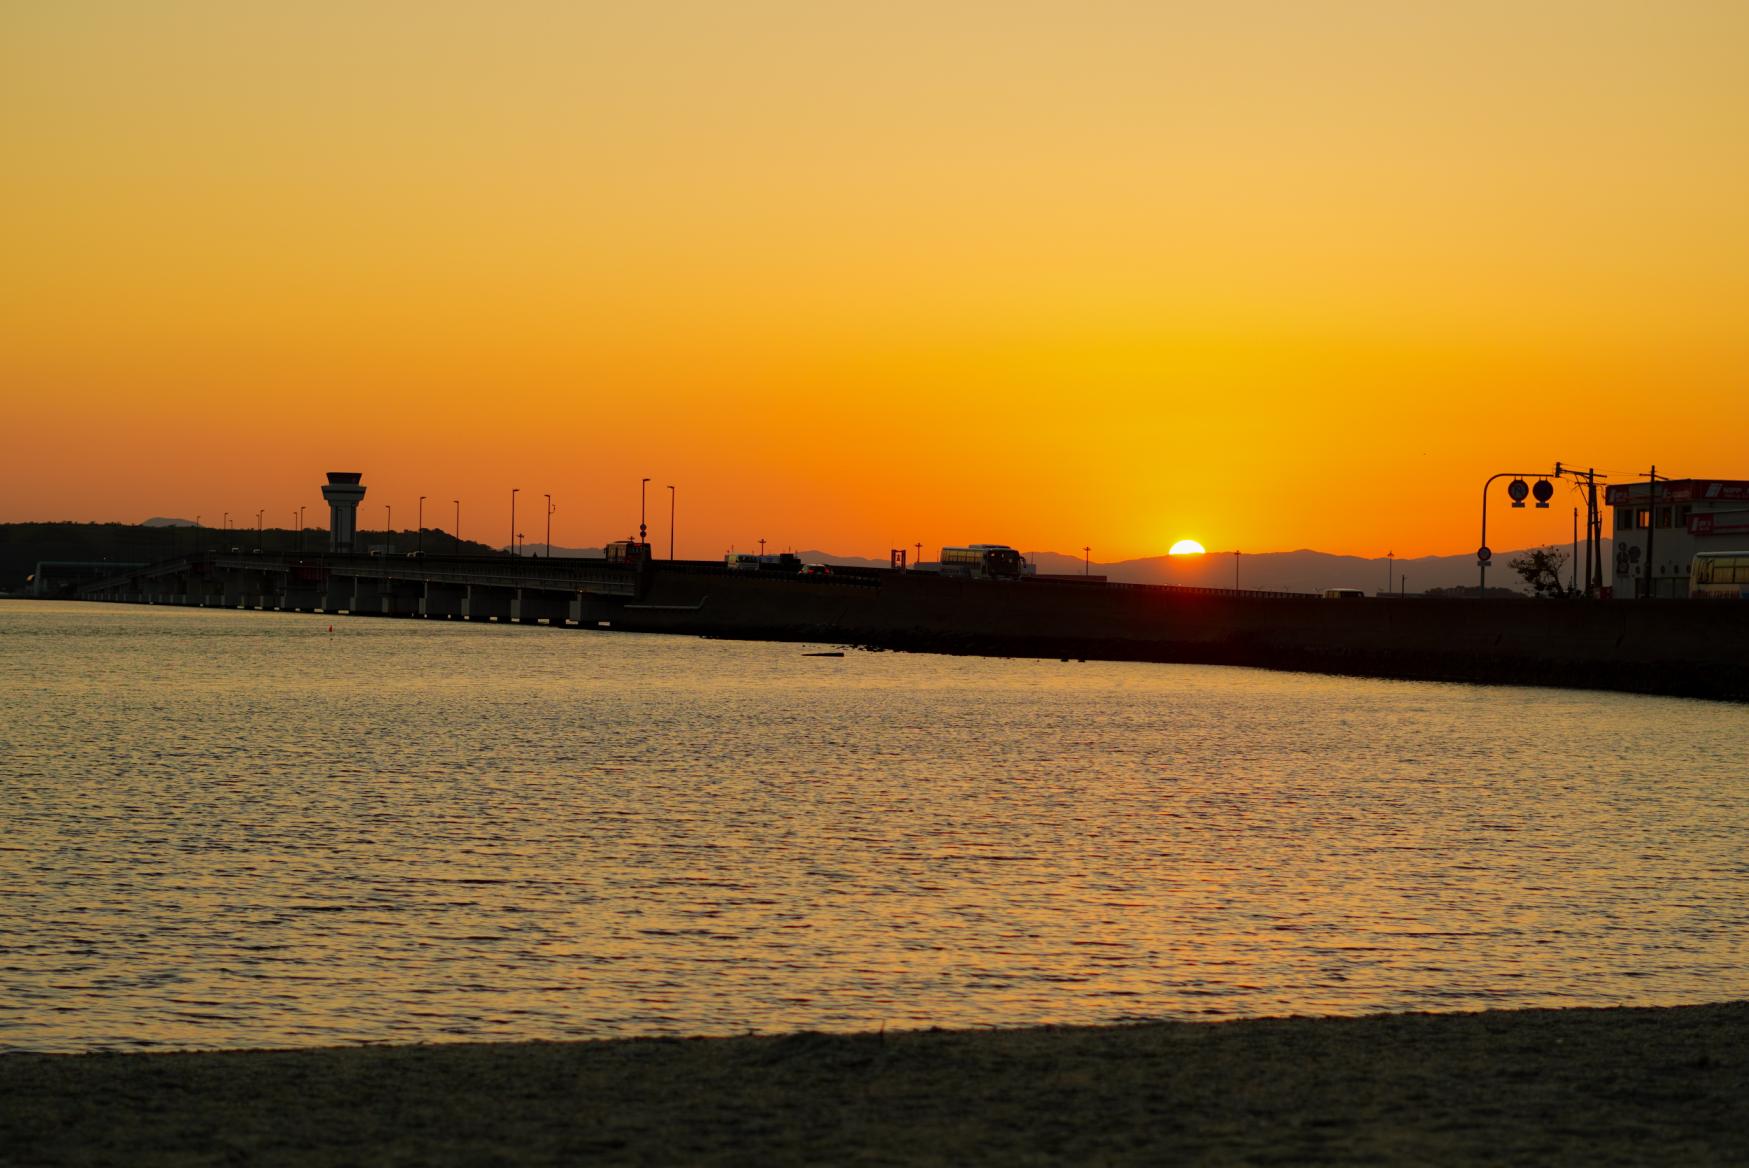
1681 518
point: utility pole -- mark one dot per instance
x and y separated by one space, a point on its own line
1573 575
1651 526
1586 480
1593 559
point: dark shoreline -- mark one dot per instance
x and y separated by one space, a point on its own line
1629 1086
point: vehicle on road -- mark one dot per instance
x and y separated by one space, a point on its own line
1719 576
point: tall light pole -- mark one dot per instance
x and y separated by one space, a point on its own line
458 525
388 529
643 489
671 521
421 544
550 510
1390 570
1235 571
260 529
513 491
1086 559
300 531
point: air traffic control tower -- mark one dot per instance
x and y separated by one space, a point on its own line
344 495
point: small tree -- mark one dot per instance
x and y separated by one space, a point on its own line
1541 569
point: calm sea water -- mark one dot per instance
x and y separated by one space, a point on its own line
242 829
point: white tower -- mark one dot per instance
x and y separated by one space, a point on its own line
344 495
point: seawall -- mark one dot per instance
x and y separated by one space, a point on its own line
1679 647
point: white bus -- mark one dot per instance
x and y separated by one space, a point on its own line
984 560
1719 576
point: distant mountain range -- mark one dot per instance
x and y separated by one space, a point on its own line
1297 571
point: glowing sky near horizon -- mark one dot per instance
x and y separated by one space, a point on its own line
1266 275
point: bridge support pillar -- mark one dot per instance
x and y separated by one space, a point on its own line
443 601
532 605
367 596
589 611
402 597
486 602
302 598
337 596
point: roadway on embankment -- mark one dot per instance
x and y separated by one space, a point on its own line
1677 647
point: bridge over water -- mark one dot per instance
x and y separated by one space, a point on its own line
504 588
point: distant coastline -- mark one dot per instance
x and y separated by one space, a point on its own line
22 545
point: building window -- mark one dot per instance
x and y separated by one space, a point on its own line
1664 516
1642 518
1624 519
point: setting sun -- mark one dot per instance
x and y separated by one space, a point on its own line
1186 547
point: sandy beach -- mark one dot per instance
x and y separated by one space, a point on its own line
1627 1086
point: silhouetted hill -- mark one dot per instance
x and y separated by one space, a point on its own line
23 545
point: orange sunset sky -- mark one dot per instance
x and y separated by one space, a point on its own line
1268 275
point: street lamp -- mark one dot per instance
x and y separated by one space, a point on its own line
1086 559
259 528
421 544
458 525
550 510
643 488
513 491
671 521
300 531
388 529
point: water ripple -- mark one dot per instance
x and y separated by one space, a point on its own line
231 830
